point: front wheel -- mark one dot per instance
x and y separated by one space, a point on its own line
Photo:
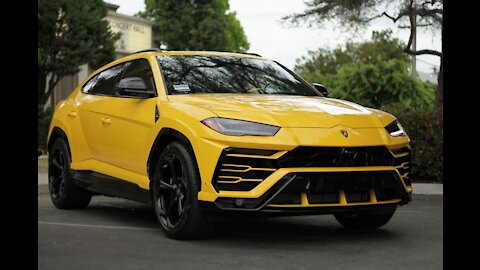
366 220
174 192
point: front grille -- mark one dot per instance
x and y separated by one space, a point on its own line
329 188
241 169
336 157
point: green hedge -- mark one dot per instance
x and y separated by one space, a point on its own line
425 129
44 118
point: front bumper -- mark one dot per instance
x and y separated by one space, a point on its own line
283 177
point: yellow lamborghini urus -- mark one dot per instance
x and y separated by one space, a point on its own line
203 134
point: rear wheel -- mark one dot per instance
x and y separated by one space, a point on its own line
174 192
64 194
366 220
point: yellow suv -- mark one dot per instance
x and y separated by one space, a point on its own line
199 134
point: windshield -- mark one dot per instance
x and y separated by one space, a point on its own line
227 74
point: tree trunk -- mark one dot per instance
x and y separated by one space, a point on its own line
42 84
44 91
439 95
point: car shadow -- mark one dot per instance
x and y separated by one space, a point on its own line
245 231
294 230
123 213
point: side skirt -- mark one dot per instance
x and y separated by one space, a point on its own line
110 186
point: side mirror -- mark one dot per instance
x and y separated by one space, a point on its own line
322 89
134 86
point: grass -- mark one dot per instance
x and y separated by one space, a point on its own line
42 165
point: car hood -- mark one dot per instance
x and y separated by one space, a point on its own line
288 111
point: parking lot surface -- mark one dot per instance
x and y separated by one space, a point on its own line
118 234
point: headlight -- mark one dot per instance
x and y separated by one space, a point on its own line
395 129
234 127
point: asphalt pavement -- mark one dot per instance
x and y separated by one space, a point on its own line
118 234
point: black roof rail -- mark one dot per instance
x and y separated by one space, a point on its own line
256 54
149 50
160 50
249 53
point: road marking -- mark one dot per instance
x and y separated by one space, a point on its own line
97 226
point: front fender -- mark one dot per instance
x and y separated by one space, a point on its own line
72 128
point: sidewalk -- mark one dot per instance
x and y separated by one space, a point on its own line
426 189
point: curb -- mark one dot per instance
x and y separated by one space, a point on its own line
427 189
418 188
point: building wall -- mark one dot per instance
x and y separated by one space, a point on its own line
136 33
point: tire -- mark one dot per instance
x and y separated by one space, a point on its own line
64 194
174 194
366 220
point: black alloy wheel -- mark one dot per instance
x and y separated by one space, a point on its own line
56 176
175 186
171 191
64 194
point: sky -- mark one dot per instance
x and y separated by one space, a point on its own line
272 39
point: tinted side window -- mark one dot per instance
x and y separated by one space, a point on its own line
140 68
106 81
90 84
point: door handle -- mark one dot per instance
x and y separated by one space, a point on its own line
106 121
72 113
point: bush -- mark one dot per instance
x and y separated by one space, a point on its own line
44 118
385 85
425 129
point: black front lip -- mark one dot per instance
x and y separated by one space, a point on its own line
261 204
215 212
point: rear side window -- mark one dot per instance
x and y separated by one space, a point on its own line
140 68
104 83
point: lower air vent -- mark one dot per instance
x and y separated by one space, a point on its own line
243 169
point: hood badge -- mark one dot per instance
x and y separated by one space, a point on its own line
344 133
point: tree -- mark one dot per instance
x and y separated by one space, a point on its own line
71 33
356 14
236 34
385 85
195 25
373 73
381 47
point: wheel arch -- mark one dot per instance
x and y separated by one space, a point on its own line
56 133
164 137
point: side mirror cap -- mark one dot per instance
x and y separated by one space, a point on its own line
322 89
134 86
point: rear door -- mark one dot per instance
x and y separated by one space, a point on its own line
131 120
91 105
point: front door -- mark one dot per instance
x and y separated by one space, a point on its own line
91 104
129 122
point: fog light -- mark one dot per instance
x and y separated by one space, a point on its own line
239 202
